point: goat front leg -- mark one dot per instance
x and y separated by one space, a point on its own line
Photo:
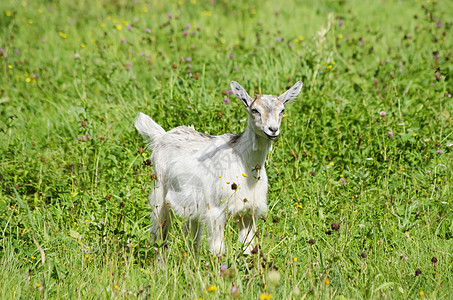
216 226
247 229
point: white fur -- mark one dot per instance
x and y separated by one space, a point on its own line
196 173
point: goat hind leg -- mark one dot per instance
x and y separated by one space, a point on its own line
161 216
216 226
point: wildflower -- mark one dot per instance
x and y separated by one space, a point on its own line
421 293
129 27
294 259
234 292
147 30
170 15
278 39
187 25
418 272
38 285
387 60
10 66
335 226
119 27
226 100
274 278
185 32
265 296
77 55
414 134
245 175
188 58
327 281
63 35
439 23
382 113
229 92
340 36
440 151
231 56
212 288
223 268
390 135
116 287
28 79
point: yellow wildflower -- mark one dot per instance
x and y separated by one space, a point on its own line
212 288
265 296
119 27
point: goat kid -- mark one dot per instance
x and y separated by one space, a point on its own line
208 178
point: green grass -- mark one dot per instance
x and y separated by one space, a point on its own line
74 214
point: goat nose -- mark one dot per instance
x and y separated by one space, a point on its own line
273 129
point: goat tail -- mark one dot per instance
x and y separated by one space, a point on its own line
149 129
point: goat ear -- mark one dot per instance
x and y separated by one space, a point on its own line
240 92
291 93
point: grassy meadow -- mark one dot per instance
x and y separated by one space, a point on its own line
360 182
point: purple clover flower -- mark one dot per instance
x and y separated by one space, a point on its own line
382 113
147 30
188 58
77 55
439 23
170 15
440 151
390 135
129 27
340 23
278 39
226 100
229 92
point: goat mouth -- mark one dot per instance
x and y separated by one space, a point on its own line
272 137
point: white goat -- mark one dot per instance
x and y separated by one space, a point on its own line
208 178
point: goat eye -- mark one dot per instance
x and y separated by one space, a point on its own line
254 111
282 111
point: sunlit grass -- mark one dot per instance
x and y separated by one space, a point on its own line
360 197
